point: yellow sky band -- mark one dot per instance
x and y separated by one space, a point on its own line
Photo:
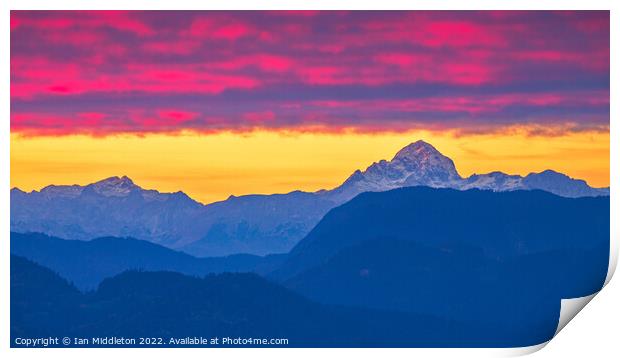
212 167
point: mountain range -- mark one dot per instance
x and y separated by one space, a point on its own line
407 267
251 224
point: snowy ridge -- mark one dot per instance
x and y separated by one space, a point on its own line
420 163
114 186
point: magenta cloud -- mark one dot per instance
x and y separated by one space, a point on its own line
107 72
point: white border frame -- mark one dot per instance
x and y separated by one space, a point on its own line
605 316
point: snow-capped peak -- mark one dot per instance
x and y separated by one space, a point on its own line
416 151
116 181
418 163
425 165
114 186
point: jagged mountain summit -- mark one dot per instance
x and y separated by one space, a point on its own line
418 163
254 224
421 164
113 206
115 186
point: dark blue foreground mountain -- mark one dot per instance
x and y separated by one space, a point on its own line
501 225
41 301
171 305
457 282
87 263
472 256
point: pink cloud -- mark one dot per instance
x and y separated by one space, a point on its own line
184 47
301 13
218 27
120 20
35 124
77 38
60 89
232 31
259 117
459 34
468 73
598 61
62 79
201 26
321 75
177 116
124 20
15 22
398 59
308 116
273 63
470 104
265 62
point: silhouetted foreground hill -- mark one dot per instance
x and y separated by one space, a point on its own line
471 256
456 282
171 305
500 225
87 263
41 301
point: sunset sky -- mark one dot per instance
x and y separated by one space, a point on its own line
221 103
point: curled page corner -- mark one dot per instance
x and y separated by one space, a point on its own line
569 309
614 243
523 351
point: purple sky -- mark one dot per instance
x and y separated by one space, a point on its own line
103 73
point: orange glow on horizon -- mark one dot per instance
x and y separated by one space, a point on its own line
212 167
